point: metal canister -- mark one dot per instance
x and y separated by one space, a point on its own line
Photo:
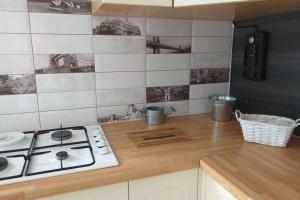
222 108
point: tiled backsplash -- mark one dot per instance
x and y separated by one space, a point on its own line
76 69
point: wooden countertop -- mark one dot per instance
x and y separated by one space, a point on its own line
209 139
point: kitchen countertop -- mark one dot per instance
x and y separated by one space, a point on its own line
249 171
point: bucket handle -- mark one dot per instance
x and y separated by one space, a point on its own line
297 123
238 115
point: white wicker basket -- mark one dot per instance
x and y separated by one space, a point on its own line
266 129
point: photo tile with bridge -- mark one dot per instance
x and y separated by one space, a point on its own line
17 84
130 26
60 6
209 75
120 113
168 44
168 93
64 63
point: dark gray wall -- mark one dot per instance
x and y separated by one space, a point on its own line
279 94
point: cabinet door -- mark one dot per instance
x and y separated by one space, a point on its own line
181 3
211 190
174 186
111 192
162 3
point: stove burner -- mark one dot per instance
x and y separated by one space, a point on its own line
62 155
61 135
3 163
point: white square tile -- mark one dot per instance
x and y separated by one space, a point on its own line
67 100
78 117
117 97
168 78
16 64
204 91
211 44
13 5
211 60
212 28
199 106
181 107
19 122
120 80
120 113
138 23
168 61
169 27
15 44
65 82
14 22
18 104
120 62
51 44
60 23
119 44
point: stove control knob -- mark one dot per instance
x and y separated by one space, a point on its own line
95 132
101 143
98 138
103 150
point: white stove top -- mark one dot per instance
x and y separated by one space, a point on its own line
38 155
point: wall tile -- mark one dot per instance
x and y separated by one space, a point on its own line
136 25
19 122
181 107
120 62
15 5
60 23
169 27
119 44
168 44
14 22
54 119
120 113
168 61
211 44
65 82
199 106
167 78
211 60
82 7
16 64
17 84
52 44
64 63
212 28
66 100
120 80
15 44
204 91
209 75
12 104
121 96
169 93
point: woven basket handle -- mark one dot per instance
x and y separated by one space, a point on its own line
297 122
238 115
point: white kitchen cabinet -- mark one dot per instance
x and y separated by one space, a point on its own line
211 190
111 192
175 186
161 3
182 3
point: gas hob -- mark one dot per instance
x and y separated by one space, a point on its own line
46 153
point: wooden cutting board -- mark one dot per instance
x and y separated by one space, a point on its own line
156 137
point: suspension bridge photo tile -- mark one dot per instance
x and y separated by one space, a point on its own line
118 26
168 44
17 84
60 6
64 63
